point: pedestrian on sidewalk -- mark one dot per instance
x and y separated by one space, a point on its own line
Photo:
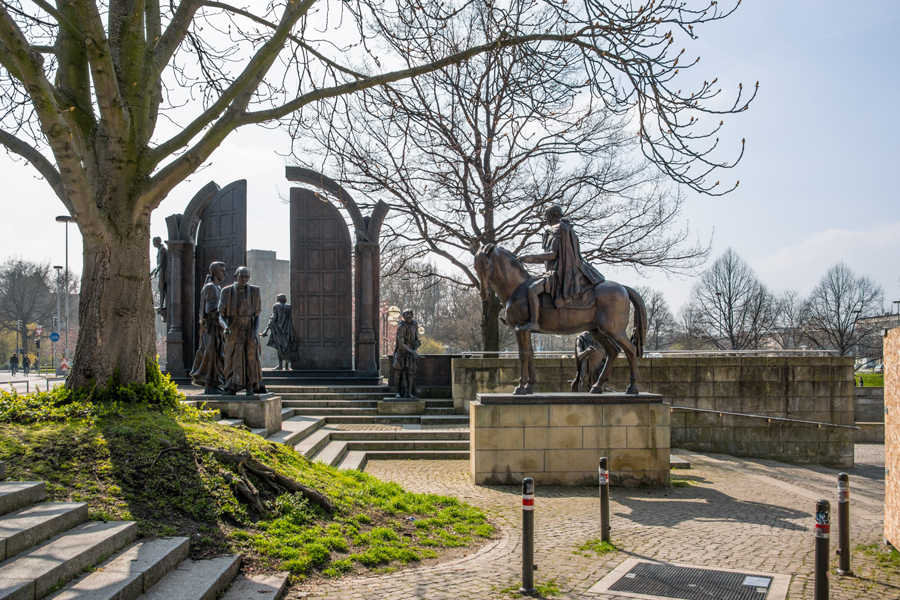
13 364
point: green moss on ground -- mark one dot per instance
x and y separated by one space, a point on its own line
139 460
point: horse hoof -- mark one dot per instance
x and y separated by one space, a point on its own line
529 389
597 389
632 389
519 391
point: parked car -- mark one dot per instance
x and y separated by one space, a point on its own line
879 368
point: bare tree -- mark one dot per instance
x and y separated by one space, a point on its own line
790 331
661 323
835 306
26 295
116 102
476 152
689 335
734 309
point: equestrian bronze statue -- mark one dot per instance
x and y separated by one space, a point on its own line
601 308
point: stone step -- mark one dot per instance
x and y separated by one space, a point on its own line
377 420
431 445
257 587
297 405
445 420
678 462
295 429
416 455
35 573
337 412
438 403
349 389
403 434
230 422
333 396
433 410
196 580
332 453
19 494
27 527
286 413
354 460
314 442
129 574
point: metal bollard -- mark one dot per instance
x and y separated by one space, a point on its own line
527 588
844 525
604 499
823 531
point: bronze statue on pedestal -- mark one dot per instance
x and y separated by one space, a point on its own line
239 310
209 362
283 339
405 356
589 358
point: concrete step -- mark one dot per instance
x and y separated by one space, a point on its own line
297 405
27 527
355 459
416 455
33 574
445 420
286 413
349 389
311 444
295 429
430 445
376 420
196 580
429 410
257 587
230 422
403 434
19 494
332 453
337 412
129 574
333 396
679 462
2 471
438 403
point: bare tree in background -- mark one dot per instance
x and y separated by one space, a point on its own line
689 334
474 153
735 310
661 323
27 294
835 306
790 320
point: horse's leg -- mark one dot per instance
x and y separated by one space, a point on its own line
612 351
631 352
532 376
526 354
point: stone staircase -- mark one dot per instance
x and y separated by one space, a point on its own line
341 427
50 550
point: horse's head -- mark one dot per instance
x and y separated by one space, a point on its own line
484 267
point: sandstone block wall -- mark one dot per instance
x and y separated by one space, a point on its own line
892 437
869 405
561 444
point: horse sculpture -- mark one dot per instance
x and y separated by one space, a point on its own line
606 317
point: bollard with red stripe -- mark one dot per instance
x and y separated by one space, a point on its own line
823 534
527 588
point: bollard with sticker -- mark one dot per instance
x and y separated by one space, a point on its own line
527 588
844 525
604 499
823 533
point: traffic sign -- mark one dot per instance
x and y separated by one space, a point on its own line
65 365
38 331
54 337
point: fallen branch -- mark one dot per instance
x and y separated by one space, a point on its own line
161 452
277 482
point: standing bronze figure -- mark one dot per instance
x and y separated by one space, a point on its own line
567 276
239 310
283 339
209 362
604 314
161 270
405 356
589 358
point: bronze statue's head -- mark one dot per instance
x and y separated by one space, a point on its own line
281 298
217 271
242 277
157 242
553 214
407 315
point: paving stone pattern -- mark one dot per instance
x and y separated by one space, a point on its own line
736 513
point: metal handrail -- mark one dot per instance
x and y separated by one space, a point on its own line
27 383
661 353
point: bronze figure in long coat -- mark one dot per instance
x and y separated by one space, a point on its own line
209 362
282 329
239 310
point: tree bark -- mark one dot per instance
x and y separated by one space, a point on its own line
490 323
115 311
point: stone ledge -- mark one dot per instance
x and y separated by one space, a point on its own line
569 398
401 407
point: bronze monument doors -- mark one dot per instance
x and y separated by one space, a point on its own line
321 290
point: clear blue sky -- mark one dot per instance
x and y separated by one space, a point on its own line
817 182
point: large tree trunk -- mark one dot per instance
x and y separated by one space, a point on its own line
490 323
115 311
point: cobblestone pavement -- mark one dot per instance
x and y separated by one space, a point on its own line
751 515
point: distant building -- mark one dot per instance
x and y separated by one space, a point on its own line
273 277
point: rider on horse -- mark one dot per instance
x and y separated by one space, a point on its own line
567 276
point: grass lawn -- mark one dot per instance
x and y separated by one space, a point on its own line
871 379
143 461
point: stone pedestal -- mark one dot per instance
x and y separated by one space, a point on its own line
401 407
558 438
260 411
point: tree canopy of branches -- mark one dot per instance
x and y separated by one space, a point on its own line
835 306
475 153
116 102
26 295
734 310
662 326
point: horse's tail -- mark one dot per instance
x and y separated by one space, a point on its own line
640 321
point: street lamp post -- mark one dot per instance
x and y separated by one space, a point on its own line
58 316
67 219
